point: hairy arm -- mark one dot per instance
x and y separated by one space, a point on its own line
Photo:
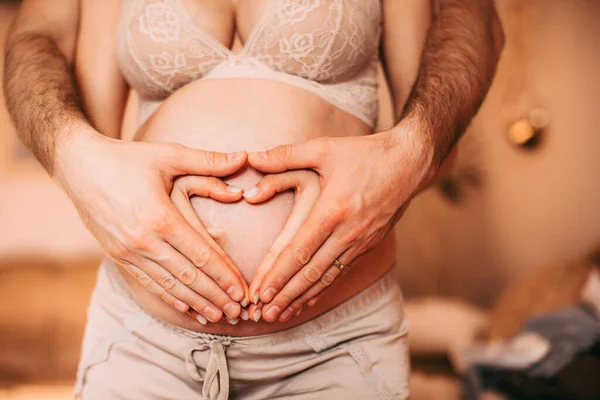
39 85
457 66
61 76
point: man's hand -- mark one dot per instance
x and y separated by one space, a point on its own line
121 191
366 182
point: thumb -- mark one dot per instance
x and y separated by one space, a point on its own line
187 161
309 154
207 186
270 185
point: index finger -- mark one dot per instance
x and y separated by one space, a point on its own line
317 228
309 154
186 161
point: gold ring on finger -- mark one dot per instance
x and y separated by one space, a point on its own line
339 265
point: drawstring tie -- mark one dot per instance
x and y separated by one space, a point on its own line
216 376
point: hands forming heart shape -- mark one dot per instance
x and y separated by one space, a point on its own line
352 204
307 188
361 187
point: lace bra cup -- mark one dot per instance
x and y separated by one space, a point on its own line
328 47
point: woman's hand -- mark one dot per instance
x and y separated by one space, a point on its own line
367 183
121 191
307 187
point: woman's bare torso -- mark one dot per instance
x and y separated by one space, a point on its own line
253 114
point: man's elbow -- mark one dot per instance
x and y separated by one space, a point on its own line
28 33
497 31
19 36
12 37
484 10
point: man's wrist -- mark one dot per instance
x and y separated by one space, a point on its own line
77 141
412 139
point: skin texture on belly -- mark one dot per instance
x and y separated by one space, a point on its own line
245 231
229 115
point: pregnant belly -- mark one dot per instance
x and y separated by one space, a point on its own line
250 115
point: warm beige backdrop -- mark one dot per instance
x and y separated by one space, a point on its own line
35 217
534 207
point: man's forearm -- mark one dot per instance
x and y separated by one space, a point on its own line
457 67
41 94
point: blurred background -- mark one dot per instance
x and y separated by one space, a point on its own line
506 236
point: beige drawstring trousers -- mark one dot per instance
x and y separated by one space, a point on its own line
358 350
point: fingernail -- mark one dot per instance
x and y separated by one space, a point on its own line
262 154
268 294
235 293
286 314
235 156
181 306
232 321
299 311
232 309
201 319
212 313
256 316
311 302
244 315
256 298
272 313
251 192
244 302
233 189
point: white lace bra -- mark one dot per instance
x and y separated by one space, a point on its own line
328 47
